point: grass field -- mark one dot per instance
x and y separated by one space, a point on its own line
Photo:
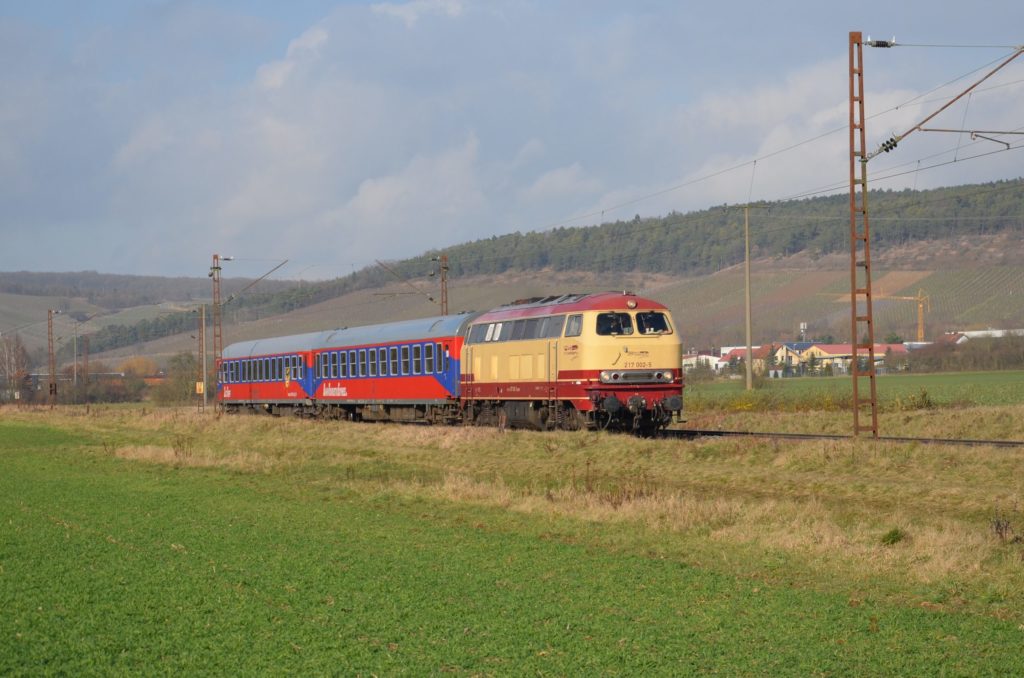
895 392
169 542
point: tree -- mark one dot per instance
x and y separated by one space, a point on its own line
179 387
14 366
139 366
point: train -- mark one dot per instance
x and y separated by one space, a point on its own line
607 360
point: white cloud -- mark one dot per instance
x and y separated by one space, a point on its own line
428 202
275 74
361 139
410 12
563 182
150 138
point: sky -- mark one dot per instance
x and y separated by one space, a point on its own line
142 136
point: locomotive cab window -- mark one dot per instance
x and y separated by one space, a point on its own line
477 334
652 322
574 326
614 324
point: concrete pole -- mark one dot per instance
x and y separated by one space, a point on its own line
202 335
746 274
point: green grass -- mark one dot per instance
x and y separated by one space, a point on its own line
116 566
895 392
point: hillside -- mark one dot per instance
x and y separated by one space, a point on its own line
961 246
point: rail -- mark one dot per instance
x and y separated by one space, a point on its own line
711 433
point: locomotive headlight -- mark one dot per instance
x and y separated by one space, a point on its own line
666 375
606 376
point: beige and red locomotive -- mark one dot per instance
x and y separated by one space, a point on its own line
607 360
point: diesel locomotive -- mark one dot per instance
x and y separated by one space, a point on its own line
608 360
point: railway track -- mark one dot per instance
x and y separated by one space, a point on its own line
709 433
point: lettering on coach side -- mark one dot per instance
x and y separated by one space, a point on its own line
336 391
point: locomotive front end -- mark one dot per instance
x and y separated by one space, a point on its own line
630 358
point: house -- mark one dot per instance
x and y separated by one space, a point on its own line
693 360
760 356
787 357
836 357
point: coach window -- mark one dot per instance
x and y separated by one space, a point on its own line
405 360
298 367
334 365
280 368
382 355
417 356
428 353
393 351
574 326
353 359
442 359
342 364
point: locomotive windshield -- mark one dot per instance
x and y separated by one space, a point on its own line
614 323
652 322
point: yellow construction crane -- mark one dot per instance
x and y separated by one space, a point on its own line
923 301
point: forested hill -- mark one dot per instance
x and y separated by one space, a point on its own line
712 239
113 291
698 242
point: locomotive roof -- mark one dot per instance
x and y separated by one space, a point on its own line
405 330
569 303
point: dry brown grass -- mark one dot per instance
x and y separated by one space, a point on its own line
825 506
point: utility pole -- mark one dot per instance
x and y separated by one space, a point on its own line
860 251
85 365
218 337
52 357
202 349
860 232
201 362
746 288
443 265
